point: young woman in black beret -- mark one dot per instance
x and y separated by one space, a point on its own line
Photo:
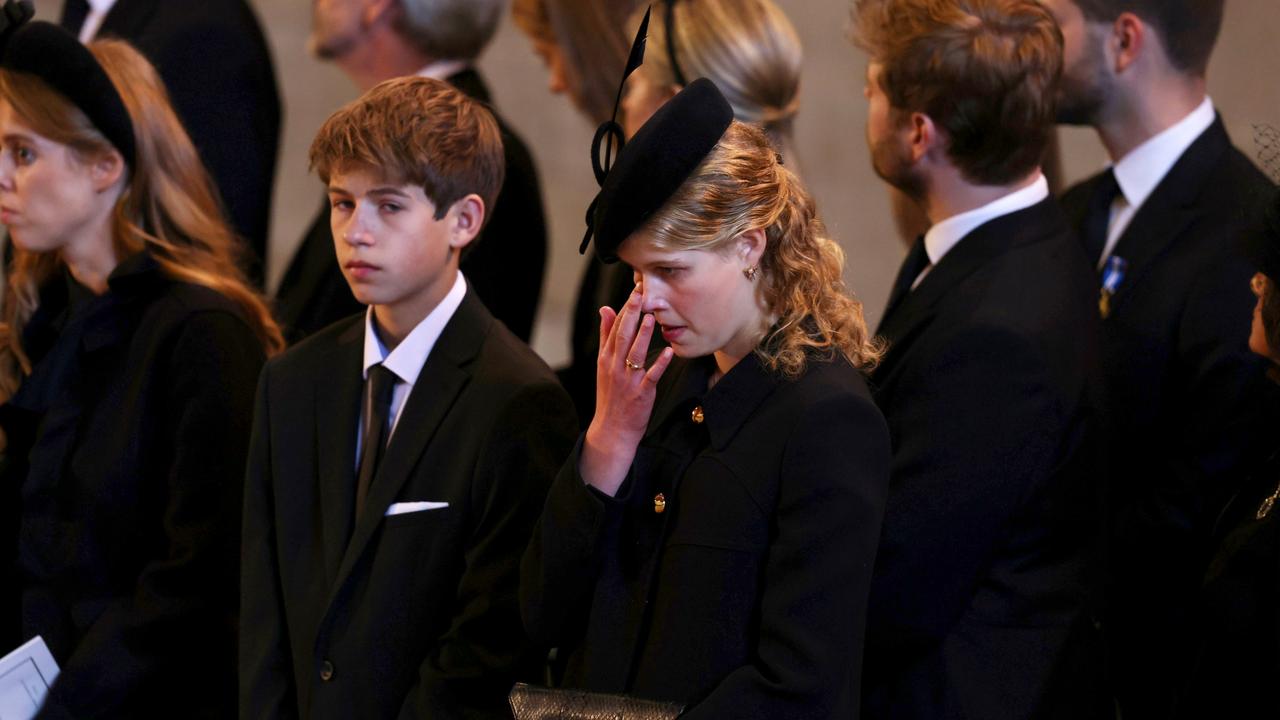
711 539
129 352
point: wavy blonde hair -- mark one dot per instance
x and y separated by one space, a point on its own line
748 48
739 187
169 206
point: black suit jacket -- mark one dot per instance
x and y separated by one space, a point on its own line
214 60
978 603
410 615
504 264
746 596
1183 398
128 443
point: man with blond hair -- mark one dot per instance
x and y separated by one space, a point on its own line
978 602
375 40
400 458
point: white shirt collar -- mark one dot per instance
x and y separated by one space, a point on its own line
946 234
1139 172
407 359
442 69
98 10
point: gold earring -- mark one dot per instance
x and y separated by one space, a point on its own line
750 272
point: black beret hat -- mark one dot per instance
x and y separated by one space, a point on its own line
1264 244
657 161
57 57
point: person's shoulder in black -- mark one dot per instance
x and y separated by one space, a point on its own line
507 263
215 62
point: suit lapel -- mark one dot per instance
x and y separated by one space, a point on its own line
1170 208
913 312
337 414
916 261
443 377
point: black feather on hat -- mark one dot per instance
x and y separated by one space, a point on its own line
655 163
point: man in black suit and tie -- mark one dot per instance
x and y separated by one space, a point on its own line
1163 226
214 61
979 597
375 40
384 526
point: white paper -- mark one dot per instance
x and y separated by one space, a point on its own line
401 508
25 677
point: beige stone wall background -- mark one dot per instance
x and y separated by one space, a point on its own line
1244 83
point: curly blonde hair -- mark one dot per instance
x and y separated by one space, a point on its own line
169 206
742 186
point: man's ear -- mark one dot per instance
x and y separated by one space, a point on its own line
106 170
922 136
467 217
1127 41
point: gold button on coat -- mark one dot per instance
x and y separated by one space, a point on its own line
659 503
697 415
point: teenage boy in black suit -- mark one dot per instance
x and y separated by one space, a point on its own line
375 40
978 601
379 578
1163 225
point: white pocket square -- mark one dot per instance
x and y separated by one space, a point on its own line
413 507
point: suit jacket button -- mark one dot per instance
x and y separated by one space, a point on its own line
697 415
326 671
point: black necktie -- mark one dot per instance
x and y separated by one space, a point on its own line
376 411
915 263
74 13
1097 218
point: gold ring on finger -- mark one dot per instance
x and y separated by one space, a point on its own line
633 366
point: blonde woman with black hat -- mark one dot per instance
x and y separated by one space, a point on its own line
709 544
129 352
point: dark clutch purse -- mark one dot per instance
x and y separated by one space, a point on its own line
538 703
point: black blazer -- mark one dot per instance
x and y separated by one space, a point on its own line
214 60
978 603
1183 398
135 423
504 265
411 615
745 597
1237 659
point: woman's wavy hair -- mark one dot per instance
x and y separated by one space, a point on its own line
742 186
748 48
169 206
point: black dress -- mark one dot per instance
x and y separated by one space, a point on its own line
731 571
1237 667
128 442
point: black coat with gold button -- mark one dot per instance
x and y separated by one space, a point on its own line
731 571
